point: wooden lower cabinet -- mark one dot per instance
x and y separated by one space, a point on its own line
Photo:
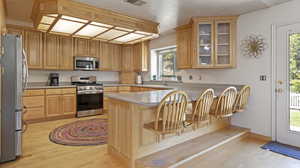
34 107
34 103
53 105
60 104
69 104
49 104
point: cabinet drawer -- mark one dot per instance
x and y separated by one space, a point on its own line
34 92
34 101
53 91
69 91
34 113
110 89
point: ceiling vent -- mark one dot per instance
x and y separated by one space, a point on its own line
136 2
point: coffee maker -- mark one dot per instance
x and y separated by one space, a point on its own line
54 79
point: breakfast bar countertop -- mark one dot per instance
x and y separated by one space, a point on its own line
153 98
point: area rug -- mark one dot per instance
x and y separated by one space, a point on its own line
81 133
286 150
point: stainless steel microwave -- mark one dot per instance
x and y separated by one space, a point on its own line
86 63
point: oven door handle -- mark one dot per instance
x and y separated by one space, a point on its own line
88 93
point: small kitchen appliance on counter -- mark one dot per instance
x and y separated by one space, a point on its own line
89 95
54 79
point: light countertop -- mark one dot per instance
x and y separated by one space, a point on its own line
153 98
41 85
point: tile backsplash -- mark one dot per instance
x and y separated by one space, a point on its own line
65 76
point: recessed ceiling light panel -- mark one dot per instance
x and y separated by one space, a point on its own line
91 31
111 34
129 37
65 26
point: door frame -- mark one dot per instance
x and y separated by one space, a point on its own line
274 28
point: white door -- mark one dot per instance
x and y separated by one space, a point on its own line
288 84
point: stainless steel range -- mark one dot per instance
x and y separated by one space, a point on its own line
89 95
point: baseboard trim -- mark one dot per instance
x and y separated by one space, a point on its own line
260 137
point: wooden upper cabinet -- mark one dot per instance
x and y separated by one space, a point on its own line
140 54
51 52
81 47
183 52
66 53
116 57
225 40
93 48
105 56
33 44
213 42
127 58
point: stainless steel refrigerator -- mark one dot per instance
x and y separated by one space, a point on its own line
13 82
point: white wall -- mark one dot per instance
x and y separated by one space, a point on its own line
65 76
258 115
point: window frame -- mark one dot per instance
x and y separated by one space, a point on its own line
159 62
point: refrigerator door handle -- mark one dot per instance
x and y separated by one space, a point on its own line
25 70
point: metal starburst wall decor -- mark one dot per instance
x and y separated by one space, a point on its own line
253 46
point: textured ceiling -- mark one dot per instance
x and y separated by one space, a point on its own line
169 13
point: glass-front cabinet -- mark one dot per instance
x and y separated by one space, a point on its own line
205 45
214 42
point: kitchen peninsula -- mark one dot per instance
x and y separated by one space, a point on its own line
128 112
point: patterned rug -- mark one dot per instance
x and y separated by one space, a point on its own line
81 133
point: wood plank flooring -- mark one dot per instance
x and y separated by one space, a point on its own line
193 148
39 152
245 153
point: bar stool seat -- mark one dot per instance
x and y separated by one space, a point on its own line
169 116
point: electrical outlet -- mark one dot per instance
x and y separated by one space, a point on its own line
263 77
191 77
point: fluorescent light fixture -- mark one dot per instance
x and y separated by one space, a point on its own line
91 31
65 26
112 34
101 24
74 19
144 33
129 37
124 29
52 15
43 27
47 20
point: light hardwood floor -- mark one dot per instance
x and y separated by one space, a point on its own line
245 153
39 152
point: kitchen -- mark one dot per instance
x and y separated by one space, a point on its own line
101 74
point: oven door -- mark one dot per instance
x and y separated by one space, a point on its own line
92 101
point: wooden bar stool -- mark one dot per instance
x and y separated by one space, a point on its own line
170 115
242 99
224 106
201 109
